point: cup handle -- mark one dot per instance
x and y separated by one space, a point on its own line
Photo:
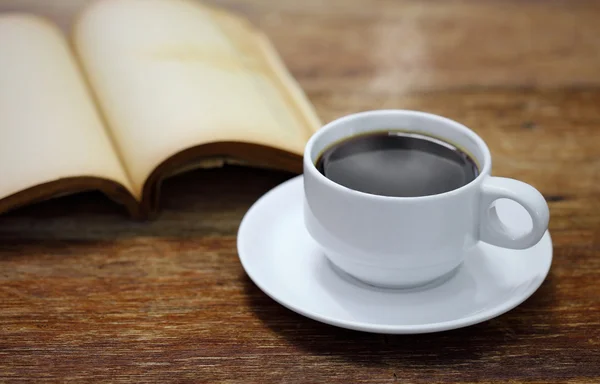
493 231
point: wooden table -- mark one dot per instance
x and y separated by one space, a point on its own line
87 294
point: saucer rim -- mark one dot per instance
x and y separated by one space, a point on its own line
462 322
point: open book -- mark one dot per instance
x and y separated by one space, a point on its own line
141 90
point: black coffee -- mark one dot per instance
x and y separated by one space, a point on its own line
397 164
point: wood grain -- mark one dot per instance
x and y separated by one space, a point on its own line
87 294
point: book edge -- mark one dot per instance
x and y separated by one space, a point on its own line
253 155
72 185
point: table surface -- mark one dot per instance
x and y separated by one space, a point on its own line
86 293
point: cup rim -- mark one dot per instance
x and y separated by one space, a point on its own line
311 168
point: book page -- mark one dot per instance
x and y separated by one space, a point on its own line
171 74
50 129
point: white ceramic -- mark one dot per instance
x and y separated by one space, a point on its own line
407 242
288 265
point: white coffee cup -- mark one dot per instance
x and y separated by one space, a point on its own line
410 241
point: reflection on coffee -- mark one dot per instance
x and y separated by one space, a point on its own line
394 163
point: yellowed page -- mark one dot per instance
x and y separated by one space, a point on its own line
49 127
170 74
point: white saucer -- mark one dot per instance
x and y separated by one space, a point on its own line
283 261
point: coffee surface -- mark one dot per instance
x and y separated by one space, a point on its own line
397 164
